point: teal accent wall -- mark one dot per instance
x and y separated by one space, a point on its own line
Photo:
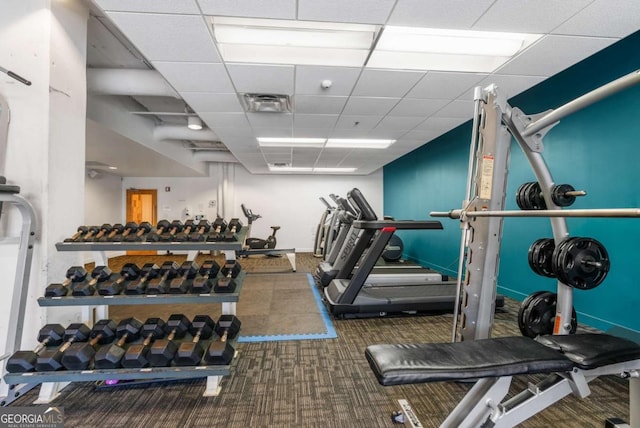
596 149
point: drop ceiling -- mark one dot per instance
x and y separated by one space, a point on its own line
413 107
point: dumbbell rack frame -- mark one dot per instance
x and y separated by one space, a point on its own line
53 382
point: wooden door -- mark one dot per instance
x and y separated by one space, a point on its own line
142 205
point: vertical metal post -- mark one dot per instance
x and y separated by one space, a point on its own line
485 234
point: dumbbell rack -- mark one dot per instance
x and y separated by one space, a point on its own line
53 382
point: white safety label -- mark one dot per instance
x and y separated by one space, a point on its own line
410 415
486 177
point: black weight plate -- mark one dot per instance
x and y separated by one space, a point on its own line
535 201
555 259
540 315
532 256
559 197
519 196
577 262
523 308
544 257
528 202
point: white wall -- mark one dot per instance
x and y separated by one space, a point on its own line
289 201
103 200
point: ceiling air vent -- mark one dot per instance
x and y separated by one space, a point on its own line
266 103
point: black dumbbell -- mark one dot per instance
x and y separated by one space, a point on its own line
136 355
235 225
170 235
129 271
129 228
88 288
109 357
226 284
49 360
74 274
139 286
91 232
104 229
79 355
25 361
190 353
162 351
160 284
116 229
183 235
188 271
203 283
144 227
218 226
220 352
200 234
82 230
162 227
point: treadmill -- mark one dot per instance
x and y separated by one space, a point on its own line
360 296
353 250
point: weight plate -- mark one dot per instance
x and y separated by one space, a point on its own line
559 196
523 308
555 263
539 316
533 257
544 257
535 201
519 196
584 263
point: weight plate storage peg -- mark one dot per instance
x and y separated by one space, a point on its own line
581 263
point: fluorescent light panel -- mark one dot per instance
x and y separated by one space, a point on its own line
356 143
334 169
446 50
273 41
291 142
276 168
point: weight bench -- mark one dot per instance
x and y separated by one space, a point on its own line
571 362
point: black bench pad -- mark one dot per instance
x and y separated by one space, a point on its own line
592 350
435 362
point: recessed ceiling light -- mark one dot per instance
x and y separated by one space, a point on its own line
113 167
358 143
290 142
446 50
277 168
273 41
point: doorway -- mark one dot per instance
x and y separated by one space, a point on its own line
142 205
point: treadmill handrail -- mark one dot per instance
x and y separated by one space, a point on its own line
398 224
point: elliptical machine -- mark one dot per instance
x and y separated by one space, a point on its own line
257 243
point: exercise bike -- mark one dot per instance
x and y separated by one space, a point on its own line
257 243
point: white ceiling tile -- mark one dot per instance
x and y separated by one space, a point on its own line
445 85
440 124
511 85
369 106
312 132
309 79
386 83
270 120
417 107
457 108
258 78
195 77
358 11
399 122
349 133
310 104
386 133
357 123
528 16
421 135
314 120
553 54
208 101
233 134
153 6
168 37
279 9
454 14
272 132
622 19
225 120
